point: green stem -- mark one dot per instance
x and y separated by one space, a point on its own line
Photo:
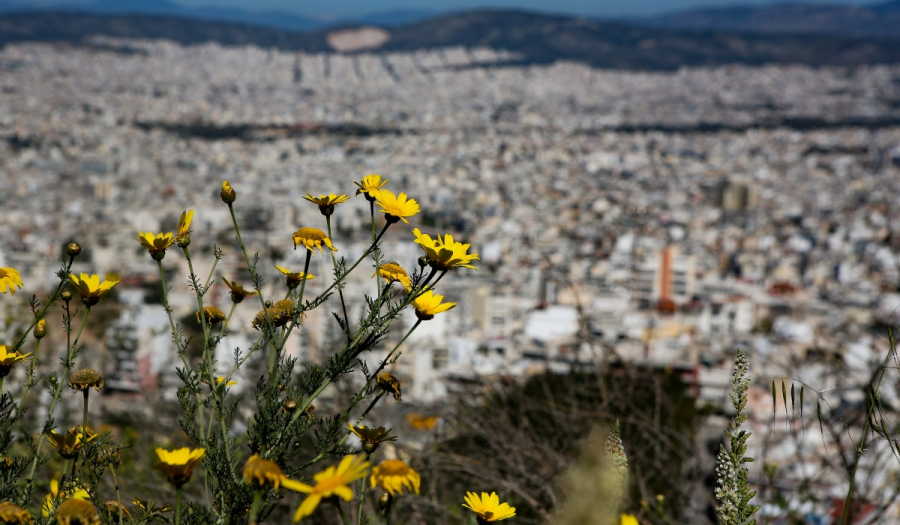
177 505
372 215
344 517
299 299
177 341
340 289
384 362
203 320
340 280
257 503
865 430
58 391
387 513
62 479
230 312
362 495
1 386
86 392
30 383
53 298
118 497
262 301
347 434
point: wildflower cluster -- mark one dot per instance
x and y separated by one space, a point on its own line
273 451
734 491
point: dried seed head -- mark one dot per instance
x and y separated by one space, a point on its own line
85 379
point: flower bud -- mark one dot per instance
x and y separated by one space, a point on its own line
289 406
66 296
385 501
423 261
40 329
183 241
73 249
228 195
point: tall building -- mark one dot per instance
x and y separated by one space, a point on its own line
663 277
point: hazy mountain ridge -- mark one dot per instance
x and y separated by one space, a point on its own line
269 18
537 38
875 20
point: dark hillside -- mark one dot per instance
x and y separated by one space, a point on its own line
537 38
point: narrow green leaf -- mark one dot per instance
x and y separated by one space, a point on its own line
793 404
802 424
819 415
774 403
784 398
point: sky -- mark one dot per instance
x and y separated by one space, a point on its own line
605 8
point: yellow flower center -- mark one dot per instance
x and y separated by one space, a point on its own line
394 467
311 233
328 485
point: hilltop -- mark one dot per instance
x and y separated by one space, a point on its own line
535 38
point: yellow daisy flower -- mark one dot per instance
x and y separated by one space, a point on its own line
394 272
212 314
90 287
294 278
10 513
261 472
326 202
111 509
9 359
76 493
421 422
69 444
392 475
312 238
332 481
155 244
178 465
395 207
279 314
238 292
429 304
9 279
628 519
221 379
371 437
488 508
369 184
445 254
77 512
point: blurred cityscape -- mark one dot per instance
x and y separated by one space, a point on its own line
658 218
